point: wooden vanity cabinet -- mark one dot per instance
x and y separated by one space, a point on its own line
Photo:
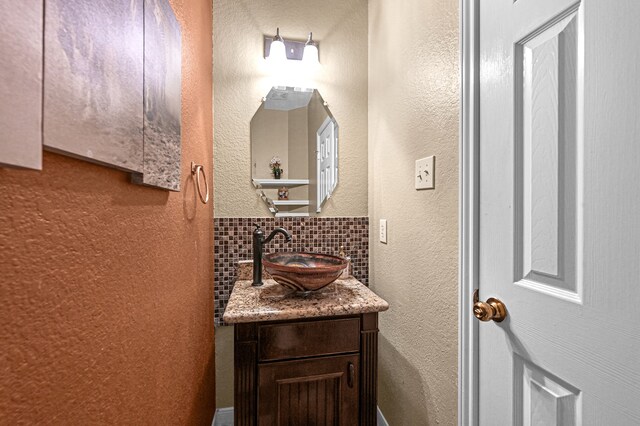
307 372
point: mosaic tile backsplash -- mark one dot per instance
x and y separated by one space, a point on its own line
233 242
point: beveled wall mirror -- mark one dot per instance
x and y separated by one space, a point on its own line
294 151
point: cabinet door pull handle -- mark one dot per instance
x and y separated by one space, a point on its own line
351 375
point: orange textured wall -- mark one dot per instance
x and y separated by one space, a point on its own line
107 287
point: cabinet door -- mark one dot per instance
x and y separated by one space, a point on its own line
318 391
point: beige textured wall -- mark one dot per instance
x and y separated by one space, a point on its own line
224 366
242 77
413 113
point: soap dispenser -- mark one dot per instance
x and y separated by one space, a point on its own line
346 272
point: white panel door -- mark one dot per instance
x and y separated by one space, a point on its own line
560 212
327 165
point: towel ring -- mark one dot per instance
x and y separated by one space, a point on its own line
196 169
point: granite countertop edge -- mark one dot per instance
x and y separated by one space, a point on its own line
245 305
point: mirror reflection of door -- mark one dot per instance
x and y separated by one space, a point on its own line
327 164
286 152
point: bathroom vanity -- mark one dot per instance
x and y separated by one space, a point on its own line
305 359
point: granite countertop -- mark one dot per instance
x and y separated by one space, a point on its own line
273 302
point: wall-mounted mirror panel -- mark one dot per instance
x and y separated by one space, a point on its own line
294 151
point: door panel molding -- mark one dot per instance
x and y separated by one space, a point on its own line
548 136
542 398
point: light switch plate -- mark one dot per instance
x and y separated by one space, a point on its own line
383 231
424 175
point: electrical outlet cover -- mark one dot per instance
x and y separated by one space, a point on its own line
424 173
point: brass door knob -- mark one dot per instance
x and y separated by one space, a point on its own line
492 309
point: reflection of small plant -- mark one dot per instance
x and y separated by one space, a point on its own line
275 165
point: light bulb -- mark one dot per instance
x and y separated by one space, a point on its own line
310 54
277 52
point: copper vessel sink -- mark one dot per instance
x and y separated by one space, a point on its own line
303 272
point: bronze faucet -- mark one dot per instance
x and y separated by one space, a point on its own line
258 245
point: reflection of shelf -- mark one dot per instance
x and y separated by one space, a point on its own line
291 202
273 183
287 214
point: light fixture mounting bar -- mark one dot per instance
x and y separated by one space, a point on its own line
293 48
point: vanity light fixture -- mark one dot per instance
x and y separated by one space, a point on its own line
278 49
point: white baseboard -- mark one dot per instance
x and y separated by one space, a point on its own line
381 420
224 417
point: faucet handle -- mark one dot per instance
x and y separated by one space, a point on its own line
258 232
